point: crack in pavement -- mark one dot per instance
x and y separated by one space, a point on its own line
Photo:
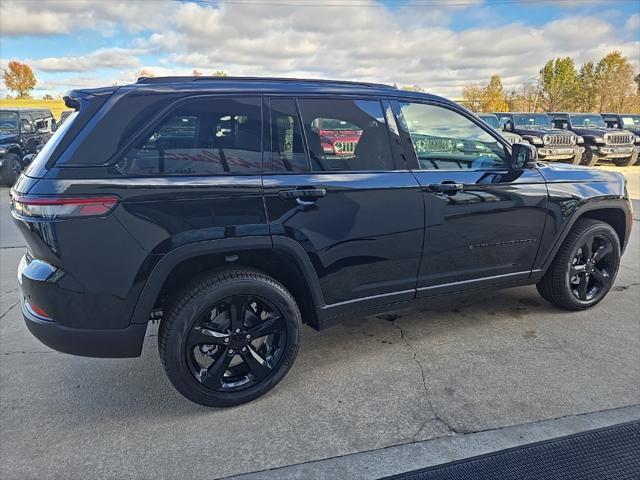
23 352
435 413
9 309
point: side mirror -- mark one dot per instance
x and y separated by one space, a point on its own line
523 156
54 125
508 125
27 159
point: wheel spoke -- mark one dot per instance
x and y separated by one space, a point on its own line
577 269
602 252
212 376
601 277
257 365
582 287
238 311
205 336
270 325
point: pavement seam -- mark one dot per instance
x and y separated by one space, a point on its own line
9 309
435 413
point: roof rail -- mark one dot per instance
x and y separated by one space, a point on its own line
177 79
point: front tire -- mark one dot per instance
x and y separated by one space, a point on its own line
585 267
229 338
589 158
11 169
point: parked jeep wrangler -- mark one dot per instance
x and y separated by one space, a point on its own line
492 120
600 142
21 132
624 121
211 205
552 143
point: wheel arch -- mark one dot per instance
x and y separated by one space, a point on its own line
283 259
614 213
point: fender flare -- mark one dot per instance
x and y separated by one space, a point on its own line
168 262
594 205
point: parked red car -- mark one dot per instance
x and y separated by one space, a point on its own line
337 136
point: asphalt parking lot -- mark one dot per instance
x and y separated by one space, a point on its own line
456 366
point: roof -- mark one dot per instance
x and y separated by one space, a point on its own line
186 79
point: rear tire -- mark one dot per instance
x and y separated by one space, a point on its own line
584 268
11 169
624 162
589 158
575 160
229 337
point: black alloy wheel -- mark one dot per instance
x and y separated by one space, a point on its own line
592 267
585 267
230 337
236 343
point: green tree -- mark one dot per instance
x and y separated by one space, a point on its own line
493 96
412 88
19 78
47 97
615 82
587 92
219 73
559 81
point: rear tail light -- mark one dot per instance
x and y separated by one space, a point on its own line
37 310
62 207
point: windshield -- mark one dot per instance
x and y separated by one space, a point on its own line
332 124
587 121
8 121
491 120
533 120
631 121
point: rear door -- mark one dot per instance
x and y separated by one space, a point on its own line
483 220
335 183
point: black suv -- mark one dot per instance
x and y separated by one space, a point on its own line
625 121
552 143
601 143
22 131
211 205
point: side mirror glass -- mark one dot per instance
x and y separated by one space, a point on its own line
523 156
508 125
54 125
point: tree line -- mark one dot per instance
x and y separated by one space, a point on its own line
609 85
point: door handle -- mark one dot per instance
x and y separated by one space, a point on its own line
304 196
445 187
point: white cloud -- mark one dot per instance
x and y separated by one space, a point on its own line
104 58
405 45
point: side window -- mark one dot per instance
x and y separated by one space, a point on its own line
287 142
346 134
201 137
445 140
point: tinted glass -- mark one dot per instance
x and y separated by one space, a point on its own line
201 137
346 134
587 121
532 120
8 121
287 142
490 120
445 140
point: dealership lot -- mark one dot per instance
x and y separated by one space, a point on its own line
457 365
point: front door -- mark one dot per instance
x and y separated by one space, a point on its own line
483 220
333 184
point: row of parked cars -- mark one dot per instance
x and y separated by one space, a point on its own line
577 138
23 132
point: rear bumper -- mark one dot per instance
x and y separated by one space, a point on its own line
122 343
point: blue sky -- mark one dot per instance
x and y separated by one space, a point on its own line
440 45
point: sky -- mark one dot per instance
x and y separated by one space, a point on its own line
440 45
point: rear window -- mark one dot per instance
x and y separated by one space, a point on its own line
200 137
